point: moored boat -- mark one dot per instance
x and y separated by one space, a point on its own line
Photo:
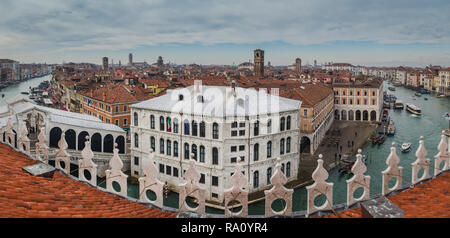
440 96
391 88
391 129
398 104
413 109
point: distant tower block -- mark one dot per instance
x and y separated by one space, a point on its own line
160 61
315 63
259 62
298 64
130 59
105 63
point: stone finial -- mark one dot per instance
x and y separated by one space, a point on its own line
151 182
442 155
9 133
278 191
190 188
41 146
359 180
420 163
237 193
115 174
320 186
392 171
62 159
23 141
86 165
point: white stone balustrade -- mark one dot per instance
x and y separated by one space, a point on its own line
392 171
41 146
278 191
319 187
420 163
359 180
443 156
190 188
62 158
237 193
23 142
10 134
87 170
151 182
115 175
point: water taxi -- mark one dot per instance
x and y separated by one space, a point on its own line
391 88
418 94
398 104
413 109
406 147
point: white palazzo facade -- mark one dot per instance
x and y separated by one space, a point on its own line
218 127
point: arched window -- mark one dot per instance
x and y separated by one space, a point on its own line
269 126
282 168
282 123
169 124
215 156
288 169
194 128
288 123
186 127
136 140
186 151
175 148
202 154
169 147
215 131
288 145
269 149
175 125
202 129
136 119
256 128
161 123
161 146
282 146
256 152
152 143
152 122
269 175
194 151
256 179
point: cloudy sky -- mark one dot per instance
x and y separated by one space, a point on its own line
378 32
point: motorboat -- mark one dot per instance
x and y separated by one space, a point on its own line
418 94
391 129
398 104
413 109
406 147
440 96
391 88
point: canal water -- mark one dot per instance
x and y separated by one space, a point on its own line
15 90
409 128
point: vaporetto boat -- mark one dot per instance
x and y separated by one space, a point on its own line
413 109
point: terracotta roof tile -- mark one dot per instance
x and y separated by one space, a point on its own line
23 195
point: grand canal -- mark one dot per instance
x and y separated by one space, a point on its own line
409 128
15 90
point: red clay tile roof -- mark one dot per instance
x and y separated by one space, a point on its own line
118 93
430 199
25 196
310 95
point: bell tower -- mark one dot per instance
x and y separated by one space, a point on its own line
259 62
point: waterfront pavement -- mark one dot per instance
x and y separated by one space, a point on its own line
342 140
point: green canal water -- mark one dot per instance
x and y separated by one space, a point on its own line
15 90
409 128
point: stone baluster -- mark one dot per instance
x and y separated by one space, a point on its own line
392 171
62 158
278 191
87 170
420 163
320 186
151 182
41 146
190 188
9 134
238 193
359 180
23 141
442 156
115 174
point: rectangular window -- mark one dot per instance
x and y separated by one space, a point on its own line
161 168
305 112
202 179
241 147
117 108
215 181
234 124
136 160
233 160
125 122
214 195
175 172
233 133
117 122
242 133
168 170
242 158
233 148
242 124
125 108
